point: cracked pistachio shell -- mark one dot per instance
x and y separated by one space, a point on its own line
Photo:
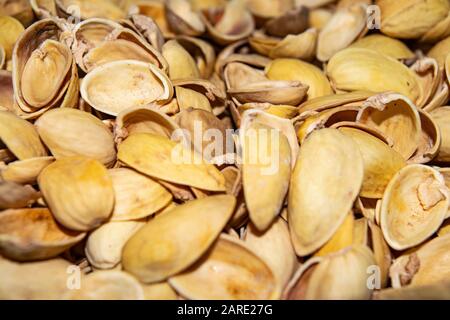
414 205
360 230
385 45
396 117
342 238
381 162
78 191
154 9
182 19
104 245
342 29
294 21
266 170
14 195
181 64
33 234
202 52
440 51
136 196
275 247
164 246
71 132
355 69
10 30
342 275
25 171
297 70
116 86
381 252
269 9
167 160
159 291
428 265
88 9
322 192
41 280
442 116
18 9
398 17
430 139
439 291
20 137
107 285
229 271
279 110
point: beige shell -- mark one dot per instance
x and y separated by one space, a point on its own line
381 162
70 132
33 234
439 291
229 271
104 245
266 169
163 248
136 195
167 160
25 171
10 30
389 46
275 247
315 216
397 117
181 63
20 280
78 191
159 291
342 238
182 19
430 140
18 9
15 196
6 89
101 9
341 275
107 285
116 86
414 205
440 116
20 137
426 266
202 52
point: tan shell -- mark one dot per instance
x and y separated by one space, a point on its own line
342 238
159 291
25 171
6 90
430 141
381 162
275 247
78 191
229 271
112 87
107 285
440 116
266 170
104 245
19 9
20 280
167 160
142 254
70 132
315 217
10 30
439 291
203 53
341 275
136 196
181 63
426 266
414 205
385 45
33 234
182 19
14 195
101 9
397 117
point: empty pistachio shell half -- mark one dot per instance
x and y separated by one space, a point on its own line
229 271
78 191
314 216
414 205
163 247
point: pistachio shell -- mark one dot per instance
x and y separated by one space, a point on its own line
381 162
159 291
164 159
100 9
342 238
14 195
78 192
229 271
163 248
426 266
70 132
33 234
354 69
440 51
136 196
6 89
266 170
315 216
439 291
360 230
181 63
430 141
269 9
18 9
275 247
116 86
342 275
385 45
25 171
203 53
182 19
414 205
297 70
440 116
107 285
104 245
381 251
20 280
10 30
20 137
